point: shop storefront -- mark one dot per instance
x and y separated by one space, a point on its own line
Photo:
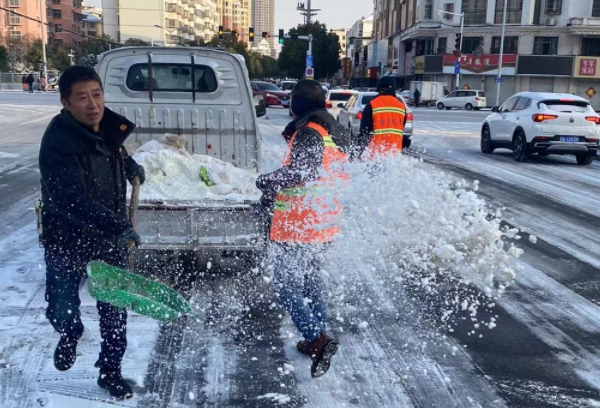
587 79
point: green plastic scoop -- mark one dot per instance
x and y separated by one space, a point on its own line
123 289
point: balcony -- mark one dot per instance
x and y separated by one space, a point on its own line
584 25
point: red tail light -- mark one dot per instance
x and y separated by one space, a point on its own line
329 105
594 119
479 99
359 115
540 117
593 140
409 117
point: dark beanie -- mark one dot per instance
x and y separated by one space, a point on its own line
307 95
387 85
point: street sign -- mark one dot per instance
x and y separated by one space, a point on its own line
309 61
591 92
309 73
498 80
457 67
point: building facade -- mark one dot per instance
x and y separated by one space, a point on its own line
14 26
358 39
64 15
92 21
263 20
550 45
170 22
343 40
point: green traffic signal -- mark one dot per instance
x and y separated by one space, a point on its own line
281 36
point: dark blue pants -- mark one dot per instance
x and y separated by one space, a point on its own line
64 273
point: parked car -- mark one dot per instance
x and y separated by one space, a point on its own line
273 94
468 100
335 97
543 123
287 86
352 112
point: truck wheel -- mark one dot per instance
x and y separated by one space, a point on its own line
440 106
469 107
584 160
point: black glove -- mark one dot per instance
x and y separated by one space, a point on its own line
133 169
262 183
125 238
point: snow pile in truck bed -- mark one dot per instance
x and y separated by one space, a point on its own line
174 175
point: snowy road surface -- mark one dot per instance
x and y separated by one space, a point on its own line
238 348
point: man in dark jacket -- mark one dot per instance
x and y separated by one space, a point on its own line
84 167
301 228
30 81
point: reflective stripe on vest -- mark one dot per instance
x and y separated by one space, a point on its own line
307 214
388 126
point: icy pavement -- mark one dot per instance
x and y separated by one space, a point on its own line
536 347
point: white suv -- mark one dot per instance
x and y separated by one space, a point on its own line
543 123
468 100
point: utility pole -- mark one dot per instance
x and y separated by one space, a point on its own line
307 12
44 39
499 78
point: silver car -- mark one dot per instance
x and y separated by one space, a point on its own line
351 114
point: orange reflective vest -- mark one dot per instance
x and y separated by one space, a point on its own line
388 125
308 214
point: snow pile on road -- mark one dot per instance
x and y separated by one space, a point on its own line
407 222
174 174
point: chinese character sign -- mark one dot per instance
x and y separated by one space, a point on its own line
587 67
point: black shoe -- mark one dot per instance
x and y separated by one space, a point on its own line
321 352
115 384
65 353
303 347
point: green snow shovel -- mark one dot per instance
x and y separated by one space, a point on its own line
123 288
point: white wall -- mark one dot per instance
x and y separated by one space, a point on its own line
111 18
138 17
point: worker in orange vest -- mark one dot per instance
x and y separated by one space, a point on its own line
382 124
305 217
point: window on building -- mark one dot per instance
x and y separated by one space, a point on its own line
596 8
449 8
56 13
511 45
58 28
514 10
590 46
475 11
56 1
554 7
15 19
14 3
16 34
470 43
442 45
545 46
428 9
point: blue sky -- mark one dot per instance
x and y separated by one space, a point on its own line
335 13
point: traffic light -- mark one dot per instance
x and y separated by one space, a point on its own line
281 36
235 34
457 41
251 34
266 35
221 32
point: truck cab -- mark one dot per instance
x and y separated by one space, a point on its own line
202 98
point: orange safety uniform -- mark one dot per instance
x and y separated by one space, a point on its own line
388 125
307 214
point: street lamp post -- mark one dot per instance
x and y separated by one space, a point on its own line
44 39
499 80
462 30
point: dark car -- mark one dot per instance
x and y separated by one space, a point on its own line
272 93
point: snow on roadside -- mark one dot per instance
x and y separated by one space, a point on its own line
4 155
174 174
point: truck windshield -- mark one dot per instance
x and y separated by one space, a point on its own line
171 78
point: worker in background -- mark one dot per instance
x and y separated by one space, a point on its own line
382 124
417 96
305 217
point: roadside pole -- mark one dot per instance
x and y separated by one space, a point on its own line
44 38
462 29
499 78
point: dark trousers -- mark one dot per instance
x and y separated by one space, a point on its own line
64 273
30 87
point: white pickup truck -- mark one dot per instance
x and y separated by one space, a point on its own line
203 98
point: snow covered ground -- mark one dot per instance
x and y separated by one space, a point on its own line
536 346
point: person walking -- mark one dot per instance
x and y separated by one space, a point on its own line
43 83
84 168
417 96
382 124
304 221
30 81
24 83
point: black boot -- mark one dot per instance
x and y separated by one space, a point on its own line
303 347
321 350
113 382
65 353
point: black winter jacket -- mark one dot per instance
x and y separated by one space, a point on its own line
83 175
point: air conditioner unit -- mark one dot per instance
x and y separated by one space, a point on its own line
550 21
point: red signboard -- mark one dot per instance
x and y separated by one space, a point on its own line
486 62
588 66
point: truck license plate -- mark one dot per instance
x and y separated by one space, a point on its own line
569 139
